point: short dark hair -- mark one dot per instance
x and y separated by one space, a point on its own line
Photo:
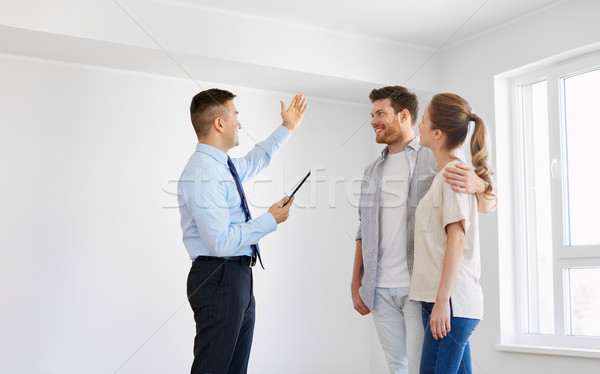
202 108
401 99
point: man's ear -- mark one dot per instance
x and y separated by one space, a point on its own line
404 115
218 124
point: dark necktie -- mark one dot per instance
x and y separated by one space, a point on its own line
240 189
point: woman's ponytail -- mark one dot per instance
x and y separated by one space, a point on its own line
480 155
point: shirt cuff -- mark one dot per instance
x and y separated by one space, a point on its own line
267 223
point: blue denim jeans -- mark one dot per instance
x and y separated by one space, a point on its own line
452 354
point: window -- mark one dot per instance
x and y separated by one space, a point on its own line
535 210
555 173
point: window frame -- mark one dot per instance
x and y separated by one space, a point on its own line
511 222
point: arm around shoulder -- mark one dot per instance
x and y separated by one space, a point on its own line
464 180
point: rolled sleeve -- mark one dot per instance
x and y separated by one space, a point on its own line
359 232
456 207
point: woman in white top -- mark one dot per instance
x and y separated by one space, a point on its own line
447 264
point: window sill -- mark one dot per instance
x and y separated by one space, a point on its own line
554 351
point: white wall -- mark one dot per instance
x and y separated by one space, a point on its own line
92 276
468 70
93 269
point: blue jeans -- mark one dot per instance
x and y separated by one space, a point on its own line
452 354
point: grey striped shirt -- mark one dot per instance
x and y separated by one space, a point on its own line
423 169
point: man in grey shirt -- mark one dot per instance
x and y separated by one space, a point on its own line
392 187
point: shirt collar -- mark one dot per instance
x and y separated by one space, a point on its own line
412 146
384 153
213 152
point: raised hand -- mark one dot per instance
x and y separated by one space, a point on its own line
292 116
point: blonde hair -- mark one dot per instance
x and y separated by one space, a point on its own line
452 114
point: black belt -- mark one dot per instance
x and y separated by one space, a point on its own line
249 261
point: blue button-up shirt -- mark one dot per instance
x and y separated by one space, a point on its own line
212 218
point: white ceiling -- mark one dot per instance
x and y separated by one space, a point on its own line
430 24
371 43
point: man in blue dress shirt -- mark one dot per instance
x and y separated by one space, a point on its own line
218 232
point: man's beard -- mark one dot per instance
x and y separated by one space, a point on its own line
389 138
